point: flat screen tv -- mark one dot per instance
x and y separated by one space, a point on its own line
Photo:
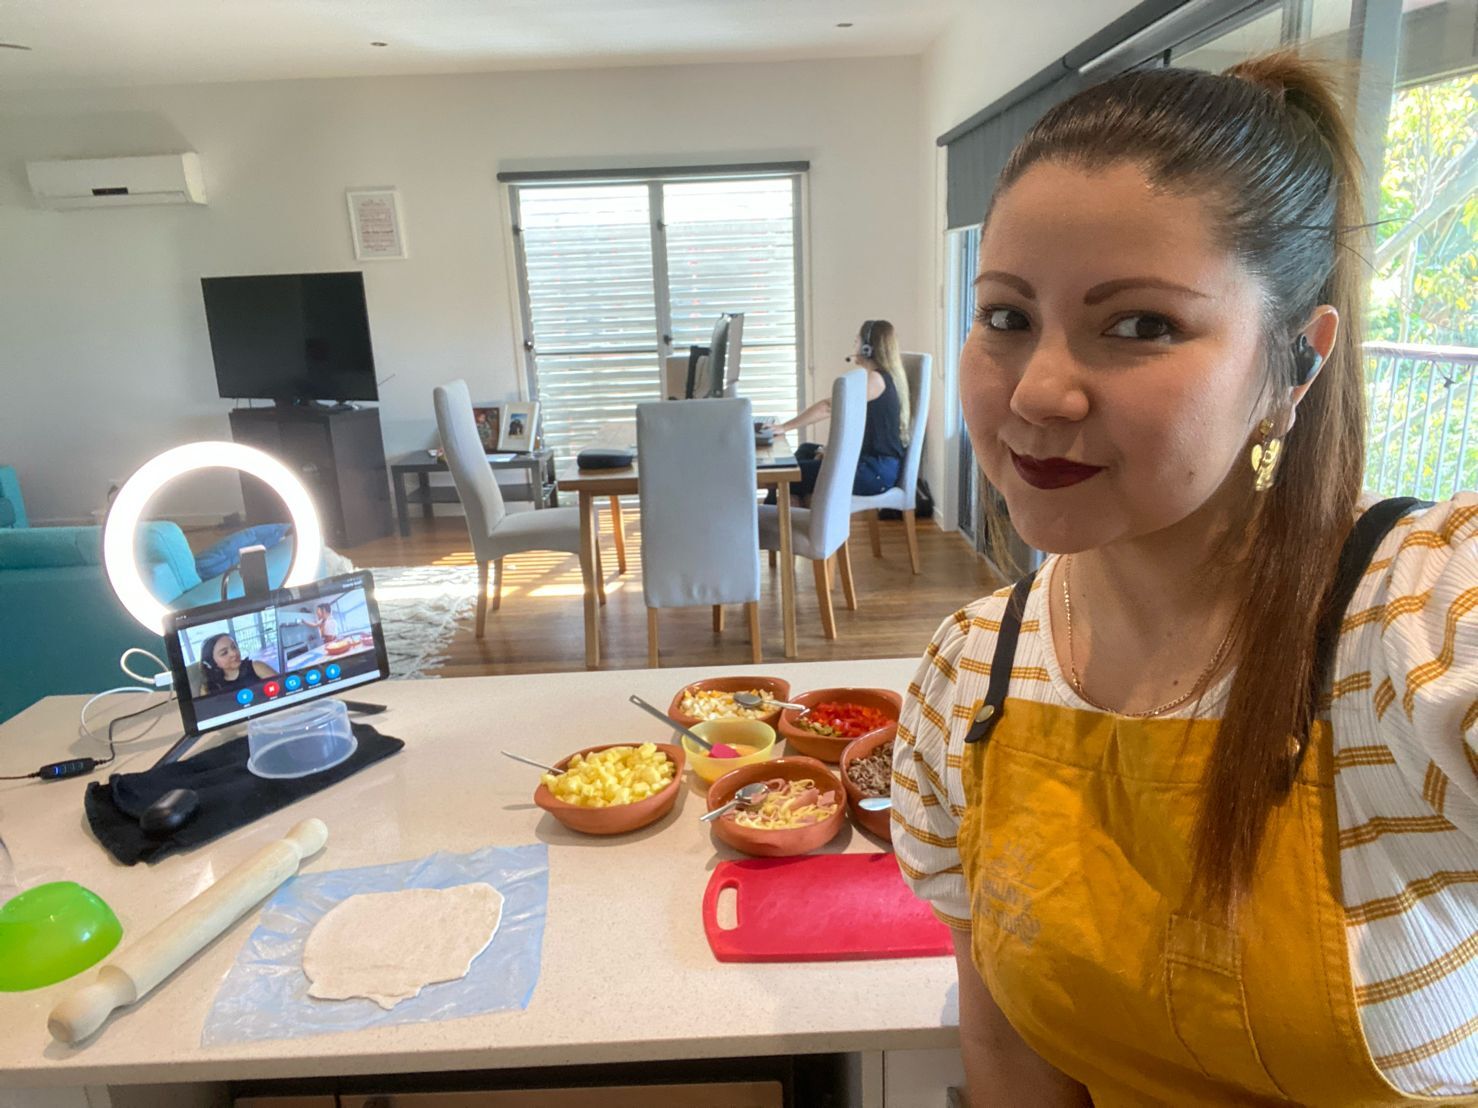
290 337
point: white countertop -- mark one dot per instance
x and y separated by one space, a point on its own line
627 973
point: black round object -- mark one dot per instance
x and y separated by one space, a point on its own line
170 812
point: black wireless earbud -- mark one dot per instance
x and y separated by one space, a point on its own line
1306 360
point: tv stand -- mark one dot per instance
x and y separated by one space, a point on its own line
321 405
339 455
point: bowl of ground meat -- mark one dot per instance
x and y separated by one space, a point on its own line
867 770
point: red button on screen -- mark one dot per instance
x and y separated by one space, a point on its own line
271 688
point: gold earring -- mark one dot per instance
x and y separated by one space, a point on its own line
1265 456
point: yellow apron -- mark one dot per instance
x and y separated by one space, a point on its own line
1076 846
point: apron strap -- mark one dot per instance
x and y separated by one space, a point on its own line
1354 557
1001 662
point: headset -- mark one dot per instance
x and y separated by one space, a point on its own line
1306 360
865 350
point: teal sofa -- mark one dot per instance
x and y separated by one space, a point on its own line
61 628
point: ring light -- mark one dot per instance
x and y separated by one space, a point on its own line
127 509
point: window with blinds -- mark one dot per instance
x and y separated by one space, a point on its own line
615 276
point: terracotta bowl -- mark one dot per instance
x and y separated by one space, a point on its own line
803 741
879 823
776 844
619 818
772 686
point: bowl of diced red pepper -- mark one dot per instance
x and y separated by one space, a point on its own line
838 717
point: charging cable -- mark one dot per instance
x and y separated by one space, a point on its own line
159 679
76 767
148 683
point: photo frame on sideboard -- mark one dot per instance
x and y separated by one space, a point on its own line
489 420
520 425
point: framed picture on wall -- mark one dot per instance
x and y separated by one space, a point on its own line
520 418
375 224
489 420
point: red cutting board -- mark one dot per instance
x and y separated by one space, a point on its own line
821 908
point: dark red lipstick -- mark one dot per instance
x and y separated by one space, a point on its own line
1051 473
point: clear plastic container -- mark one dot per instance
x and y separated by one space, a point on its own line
300 741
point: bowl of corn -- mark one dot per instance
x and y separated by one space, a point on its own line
614 788
713 699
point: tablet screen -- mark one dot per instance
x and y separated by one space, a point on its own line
250 656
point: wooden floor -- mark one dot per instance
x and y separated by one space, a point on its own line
540 626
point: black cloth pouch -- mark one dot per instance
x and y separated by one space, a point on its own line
231 796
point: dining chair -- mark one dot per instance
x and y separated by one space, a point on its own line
698 511
904 495
493 531
820 531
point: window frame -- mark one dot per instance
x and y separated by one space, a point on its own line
653 179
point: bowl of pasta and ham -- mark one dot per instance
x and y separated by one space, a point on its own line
803 811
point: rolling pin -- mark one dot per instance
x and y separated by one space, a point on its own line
130 976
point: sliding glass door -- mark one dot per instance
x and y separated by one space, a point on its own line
615 276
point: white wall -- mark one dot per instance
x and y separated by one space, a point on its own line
104 356
983 54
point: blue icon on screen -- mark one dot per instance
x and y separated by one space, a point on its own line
245 697
332 672
292 683
313 677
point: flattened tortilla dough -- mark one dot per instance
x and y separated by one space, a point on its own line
389 946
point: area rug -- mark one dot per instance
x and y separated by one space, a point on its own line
420 607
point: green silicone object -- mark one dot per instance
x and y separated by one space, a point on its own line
51 932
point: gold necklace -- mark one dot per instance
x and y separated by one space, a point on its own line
1072 665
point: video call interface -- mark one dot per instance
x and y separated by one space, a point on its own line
263 660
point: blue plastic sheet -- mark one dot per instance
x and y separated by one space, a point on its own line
265 995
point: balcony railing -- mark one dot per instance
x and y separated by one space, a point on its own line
1419 413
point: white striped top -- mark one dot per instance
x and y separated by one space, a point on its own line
1404 714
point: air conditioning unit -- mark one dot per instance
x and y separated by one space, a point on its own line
117 182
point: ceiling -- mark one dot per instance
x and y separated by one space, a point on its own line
93 44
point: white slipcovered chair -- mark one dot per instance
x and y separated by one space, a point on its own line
904 494
698 511
821 530
494 532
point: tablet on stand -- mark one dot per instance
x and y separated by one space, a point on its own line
287 646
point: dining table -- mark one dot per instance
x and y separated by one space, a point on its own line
774 467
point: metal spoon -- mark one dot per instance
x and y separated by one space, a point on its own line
714 750
875 803
754 700
531 762
746 795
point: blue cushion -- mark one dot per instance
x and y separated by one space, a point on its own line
159 542
224 554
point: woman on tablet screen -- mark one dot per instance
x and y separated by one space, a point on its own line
225 669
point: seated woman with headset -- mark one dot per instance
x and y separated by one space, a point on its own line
884 437
225 669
